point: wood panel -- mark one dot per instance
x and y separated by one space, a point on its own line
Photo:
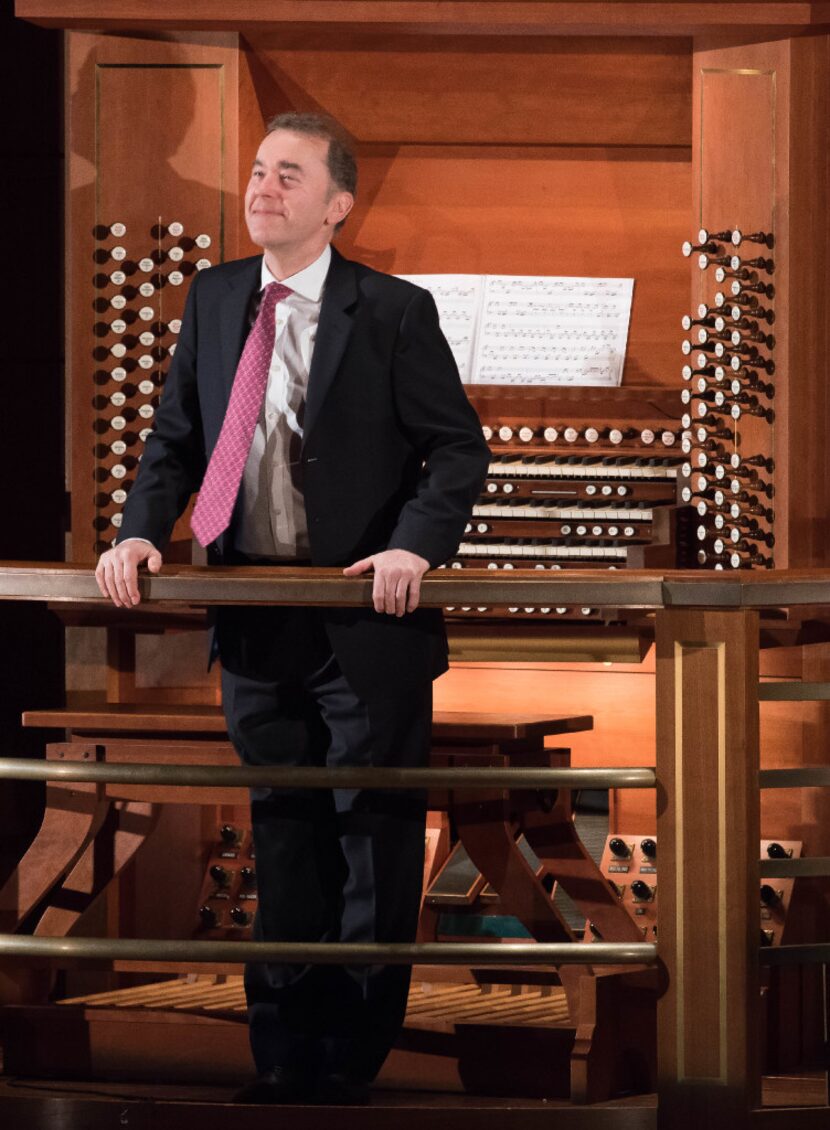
707 758
149 142
459 90
808 274
760 162
486 17
621 698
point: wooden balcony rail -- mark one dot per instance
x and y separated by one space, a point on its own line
632 589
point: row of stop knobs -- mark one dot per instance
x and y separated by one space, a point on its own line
621 849
590 434
645 892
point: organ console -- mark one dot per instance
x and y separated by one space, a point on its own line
544 510
678 467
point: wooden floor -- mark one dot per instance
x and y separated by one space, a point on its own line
50 1104
34 1104
46 1105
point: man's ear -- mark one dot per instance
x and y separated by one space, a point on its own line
339 207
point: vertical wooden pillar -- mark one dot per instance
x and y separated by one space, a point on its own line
708 832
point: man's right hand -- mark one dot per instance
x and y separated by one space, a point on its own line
117 570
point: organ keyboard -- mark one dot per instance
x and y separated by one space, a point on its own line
588 496
526 510
522 549
587 467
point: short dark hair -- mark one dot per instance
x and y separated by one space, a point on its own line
341 161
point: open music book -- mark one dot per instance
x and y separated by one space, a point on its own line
533 330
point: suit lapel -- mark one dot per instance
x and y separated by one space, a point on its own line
335 326
233 320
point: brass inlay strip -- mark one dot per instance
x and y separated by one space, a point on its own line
723 857
680 862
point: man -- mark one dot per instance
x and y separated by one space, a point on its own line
316 407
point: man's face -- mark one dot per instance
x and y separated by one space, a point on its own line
291 202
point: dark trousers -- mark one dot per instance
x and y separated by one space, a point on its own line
332 865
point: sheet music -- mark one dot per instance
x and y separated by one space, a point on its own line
458 298
534 330
552 331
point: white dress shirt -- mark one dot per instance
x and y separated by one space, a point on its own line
272 520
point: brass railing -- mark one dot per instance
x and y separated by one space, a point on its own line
291 777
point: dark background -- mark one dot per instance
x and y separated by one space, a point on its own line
31 372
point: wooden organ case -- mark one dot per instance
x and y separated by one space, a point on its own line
554 139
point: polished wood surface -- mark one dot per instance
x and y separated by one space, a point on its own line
407 1112
176 162
630 588
563 91
677 17
707 747
762 108
458 726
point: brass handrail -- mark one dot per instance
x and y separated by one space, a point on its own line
477 954
232 776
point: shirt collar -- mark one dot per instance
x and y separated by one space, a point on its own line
307 283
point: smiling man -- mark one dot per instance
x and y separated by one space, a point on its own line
315 406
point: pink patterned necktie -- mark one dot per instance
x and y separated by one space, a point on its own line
220 486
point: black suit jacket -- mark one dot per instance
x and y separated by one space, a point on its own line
392 453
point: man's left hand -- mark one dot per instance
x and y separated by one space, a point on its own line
397 585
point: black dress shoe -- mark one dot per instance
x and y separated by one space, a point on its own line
279 1085
337 1089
